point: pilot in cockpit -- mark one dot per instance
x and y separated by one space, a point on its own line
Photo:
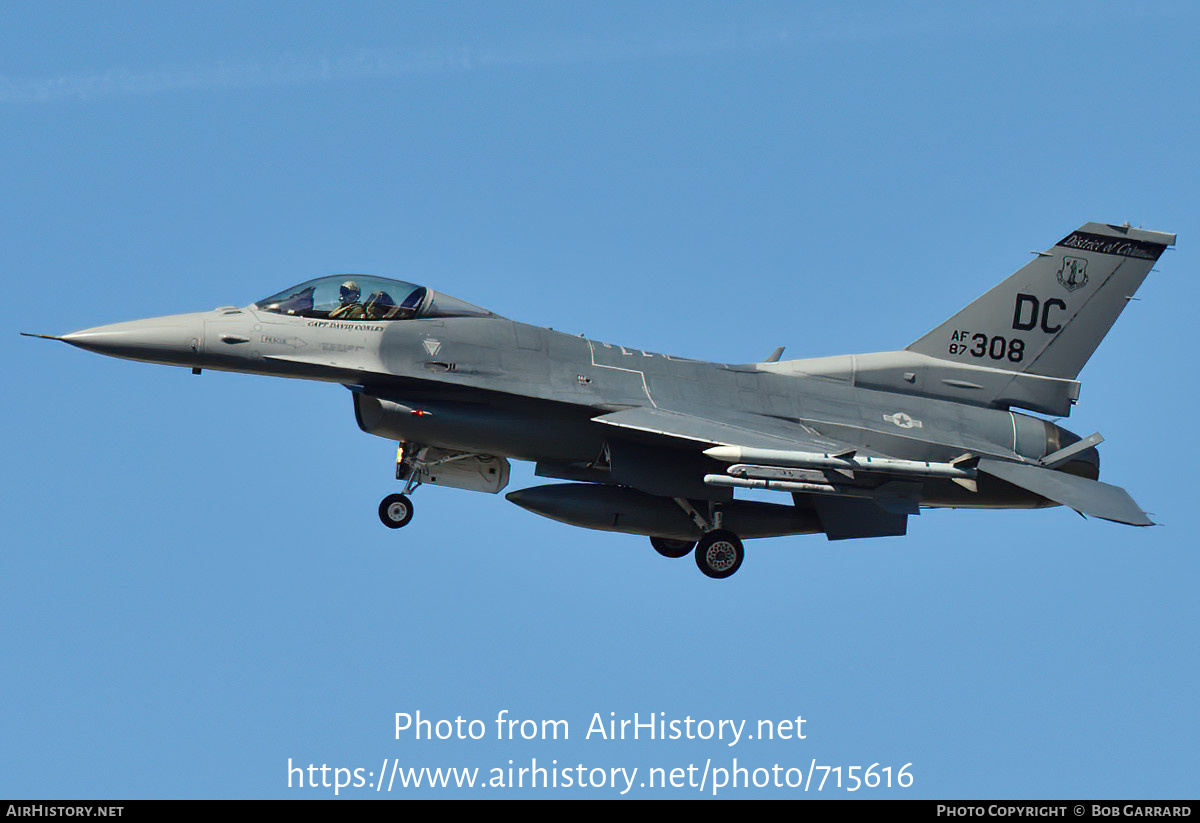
348 306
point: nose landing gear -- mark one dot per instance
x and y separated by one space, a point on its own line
395 511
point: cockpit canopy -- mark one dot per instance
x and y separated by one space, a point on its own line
364 297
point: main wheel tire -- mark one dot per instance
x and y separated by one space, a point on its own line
395 511
719 554
672 548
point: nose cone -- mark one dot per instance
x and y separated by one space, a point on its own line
174 340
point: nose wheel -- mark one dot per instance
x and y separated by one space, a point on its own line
395 511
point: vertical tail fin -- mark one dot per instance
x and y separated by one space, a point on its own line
1050 316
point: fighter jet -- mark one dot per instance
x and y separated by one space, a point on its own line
656 445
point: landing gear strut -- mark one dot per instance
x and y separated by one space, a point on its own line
396 510
719 553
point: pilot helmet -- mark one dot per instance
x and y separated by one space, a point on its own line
349 292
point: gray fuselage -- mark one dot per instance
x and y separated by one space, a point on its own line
494 386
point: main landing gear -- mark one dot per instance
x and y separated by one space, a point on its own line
672 548
718 554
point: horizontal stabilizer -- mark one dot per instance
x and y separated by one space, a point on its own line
1090 497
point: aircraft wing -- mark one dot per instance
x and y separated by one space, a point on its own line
754 431
782 444
883 512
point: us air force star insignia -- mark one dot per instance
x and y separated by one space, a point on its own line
902 420
432 346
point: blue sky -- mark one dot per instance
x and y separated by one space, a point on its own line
197 586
